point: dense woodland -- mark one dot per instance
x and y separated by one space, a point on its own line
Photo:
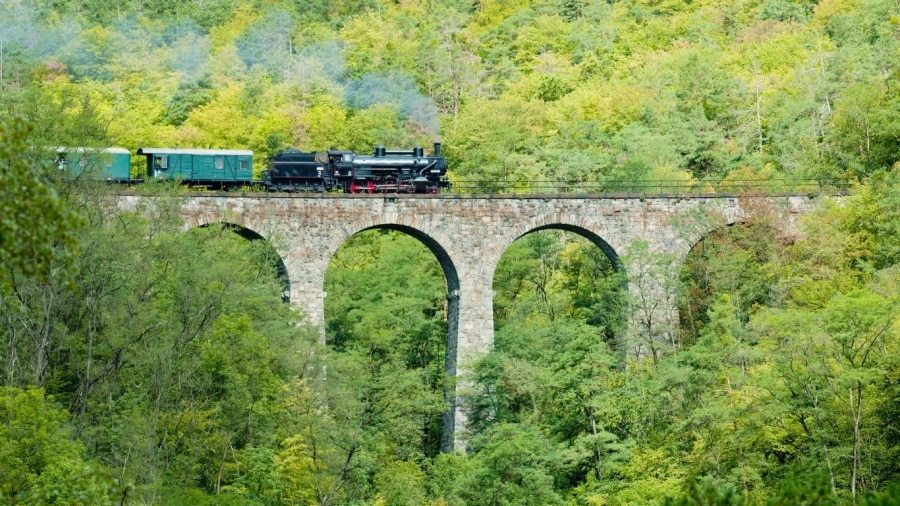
142 364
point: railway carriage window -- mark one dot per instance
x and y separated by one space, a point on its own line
219 163
161 162
82 162
245 164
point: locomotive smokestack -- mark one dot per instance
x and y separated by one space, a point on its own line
437 149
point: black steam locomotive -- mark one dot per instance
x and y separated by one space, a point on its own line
385 171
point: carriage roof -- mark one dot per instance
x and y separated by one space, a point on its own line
197 152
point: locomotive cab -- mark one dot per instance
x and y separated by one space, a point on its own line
341 162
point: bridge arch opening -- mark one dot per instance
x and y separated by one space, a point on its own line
392 307
561 272
558 319
267 253
728 260
595 239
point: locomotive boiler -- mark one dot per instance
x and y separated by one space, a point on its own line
384 171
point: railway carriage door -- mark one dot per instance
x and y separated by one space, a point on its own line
242 171
61 162
219 168
160 165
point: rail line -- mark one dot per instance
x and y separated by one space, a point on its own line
565 190
648 188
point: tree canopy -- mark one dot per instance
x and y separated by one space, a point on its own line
516 90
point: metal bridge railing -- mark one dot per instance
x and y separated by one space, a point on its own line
648 188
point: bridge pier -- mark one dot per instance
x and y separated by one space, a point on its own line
472 322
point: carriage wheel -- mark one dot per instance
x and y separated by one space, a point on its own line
355 187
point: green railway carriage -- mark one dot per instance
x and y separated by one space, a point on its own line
112 164
212 168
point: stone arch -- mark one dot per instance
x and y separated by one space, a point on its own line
733 212
718 229
783 215
249 234
432 244
585 230
595 239
578 226
449 422
740 237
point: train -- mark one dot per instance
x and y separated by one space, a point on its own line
335 170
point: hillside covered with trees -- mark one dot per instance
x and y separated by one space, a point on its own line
142 364
557 89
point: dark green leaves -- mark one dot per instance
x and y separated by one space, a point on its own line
35 222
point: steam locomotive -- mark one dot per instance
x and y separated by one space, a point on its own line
407 171
385 171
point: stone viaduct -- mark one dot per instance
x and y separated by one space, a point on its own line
468 234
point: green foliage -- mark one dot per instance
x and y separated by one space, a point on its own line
401 483
40 461
513 465
186 99
386 329
174 370
731 261
780 386
34 218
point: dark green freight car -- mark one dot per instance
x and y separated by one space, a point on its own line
110 164
222 169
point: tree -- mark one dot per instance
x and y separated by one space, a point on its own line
40 461
386 334
859 324
717 385
186 99
653 293
514 464
149 340
729 261
866 129
35 219
447 63
831 347
497 151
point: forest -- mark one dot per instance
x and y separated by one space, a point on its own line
145 364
